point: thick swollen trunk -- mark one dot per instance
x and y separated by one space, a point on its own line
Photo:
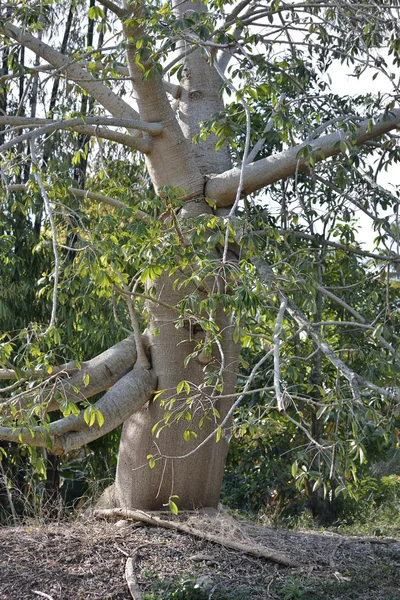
187 469
195 479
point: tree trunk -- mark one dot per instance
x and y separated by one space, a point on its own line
195 479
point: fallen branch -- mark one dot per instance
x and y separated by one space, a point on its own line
131 578
42 595
257 551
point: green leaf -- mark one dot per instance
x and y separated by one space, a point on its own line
89 416
317 485
96 12
173 507
152 462
100 418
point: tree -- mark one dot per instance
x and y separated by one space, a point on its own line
201 119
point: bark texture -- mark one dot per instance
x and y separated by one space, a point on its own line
196 478
194 475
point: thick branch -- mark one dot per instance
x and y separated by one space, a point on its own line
117 10
127 396
106 97
94 376
171 149
8 374
222 187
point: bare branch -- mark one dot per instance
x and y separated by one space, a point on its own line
351 377
354 379
258 550
324 242
115 8
83 125
131 578
42 595
152 129
107 200
357 315
277 372
222 187
106 97
142 360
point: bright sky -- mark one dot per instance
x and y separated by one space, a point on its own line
343 84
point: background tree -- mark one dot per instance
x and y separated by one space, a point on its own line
206 200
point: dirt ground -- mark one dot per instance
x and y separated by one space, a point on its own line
85 560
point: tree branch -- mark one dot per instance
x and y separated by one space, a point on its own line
131 578
85 125
93 377
107 200
357 315
337 362
152 129
277 372
140 144
354 379
223 187
117 10
173 89
106 97
126 396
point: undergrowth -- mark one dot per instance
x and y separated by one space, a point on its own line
376 512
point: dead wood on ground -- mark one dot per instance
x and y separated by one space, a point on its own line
252 550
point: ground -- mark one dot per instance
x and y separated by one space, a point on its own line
85 560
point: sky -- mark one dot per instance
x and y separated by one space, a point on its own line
341 83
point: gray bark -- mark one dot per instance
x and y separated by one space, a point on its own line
222 188
197 478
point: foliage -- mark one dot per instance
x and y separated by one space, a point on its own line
315 313
190 588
